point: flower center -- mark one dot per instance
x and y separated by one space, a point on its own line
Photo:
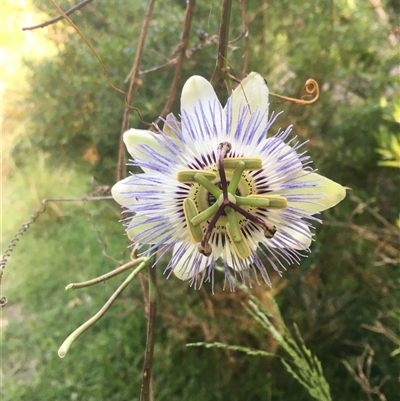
224 201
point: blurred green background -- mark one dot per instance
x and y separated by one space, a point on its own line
61 127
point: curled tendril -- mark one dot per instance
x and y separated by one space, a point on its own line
312 89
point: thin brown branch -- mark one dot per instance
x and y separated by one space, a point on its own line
121 170
363 205
221 71
245 30
183 45
381 329
60 17
158 67
381 14
364 362
146 392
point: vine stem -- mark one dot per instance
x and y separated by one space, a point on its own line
183 45
220 72
121 170
63 350
60 17
104 277
146 393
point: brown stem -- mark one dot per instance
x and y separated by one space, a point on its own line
245 30
183 45
146 390
221 68
60 17
121 170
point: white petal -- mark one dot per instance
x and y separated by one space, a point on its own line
233 261
279 160
148 232
184 267
172 126
331 193
200 104
287 237
251 93
133 138
124 192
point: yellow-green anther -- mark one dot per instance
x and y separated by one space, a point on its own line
205 215
188 175
275 201
250 163
190 211
235 232
241 247
236 176
268 201
210 187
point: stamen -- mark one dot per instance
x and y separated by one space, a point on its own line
269 229
190 211
235 232
187 176
241 247
267 201
254 163
207 234
227 201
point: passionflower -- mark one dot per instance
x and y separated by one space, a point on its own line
217 191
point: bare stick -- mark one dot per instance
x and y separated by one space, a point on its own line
121 170
190 7
60 17
151 330
73 336
220 71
